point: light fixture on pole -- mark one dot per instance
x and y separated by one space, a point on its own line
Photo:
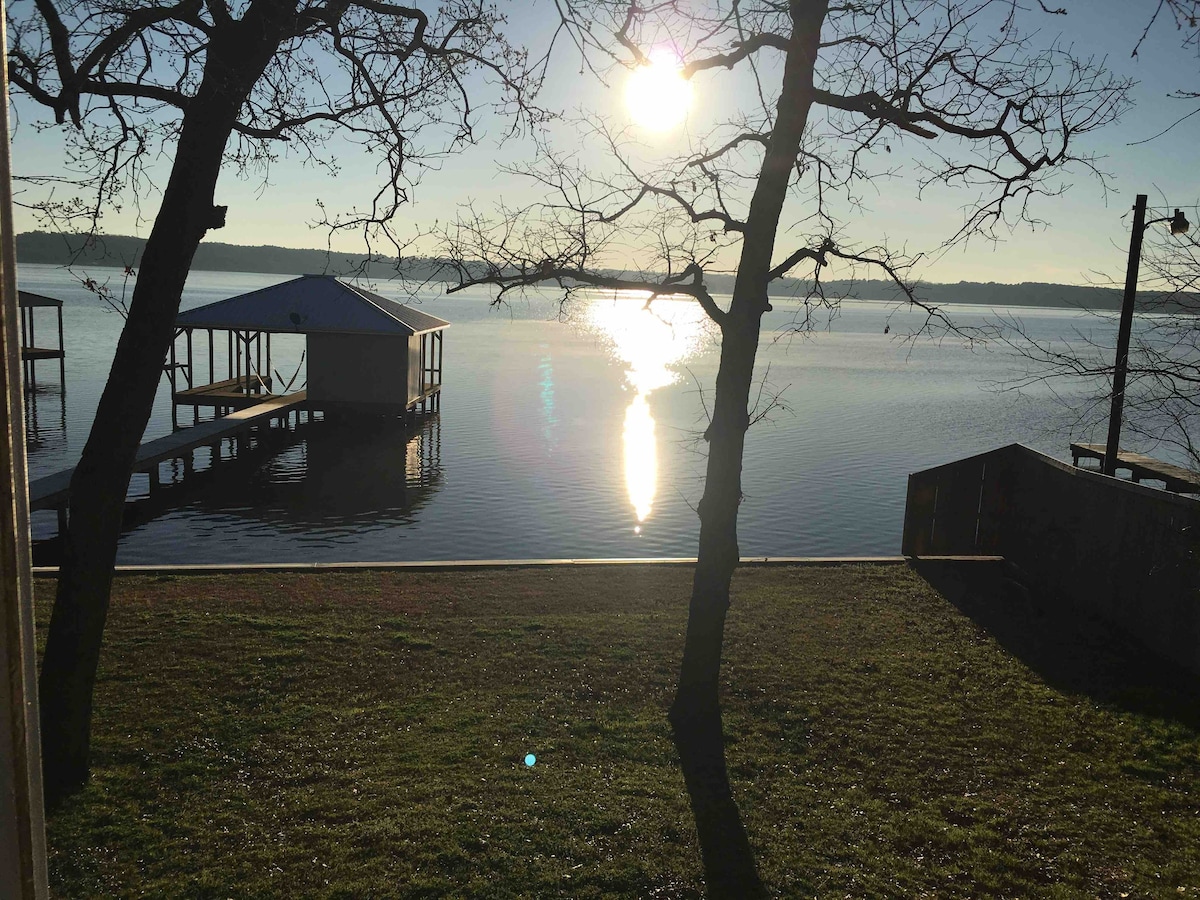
1179 225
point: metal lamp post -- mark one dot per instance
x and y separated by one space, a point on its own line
1179 225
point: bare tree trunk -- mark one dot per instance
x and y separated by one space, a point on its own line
237 56
695 715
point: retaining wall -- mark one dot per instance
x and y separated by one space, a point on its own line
1125 551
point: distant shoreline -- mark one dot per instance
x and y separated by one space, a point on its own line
119 251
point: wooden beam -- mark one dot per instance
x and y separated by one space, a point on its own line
22 818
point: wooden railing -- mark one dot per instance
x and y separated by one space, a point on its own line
1121 550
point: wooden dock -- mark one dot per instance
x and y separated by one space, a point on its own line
232 392
1141 467
41 353
53 491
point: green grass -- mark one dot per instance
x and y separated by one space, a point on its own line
362 735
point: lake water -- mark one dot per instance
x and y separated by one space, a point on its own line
575 433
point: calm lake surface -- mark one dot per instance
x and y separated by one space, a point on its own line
574 434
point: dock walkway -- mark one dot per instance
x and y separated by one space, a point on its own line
1141 467
53 491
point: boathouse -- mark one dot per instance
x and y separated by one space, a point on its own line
365 353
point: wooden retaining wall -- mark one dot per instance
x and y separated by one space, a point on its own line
1124 551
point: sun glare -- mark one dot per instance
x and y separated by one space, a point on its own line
657 94
651 343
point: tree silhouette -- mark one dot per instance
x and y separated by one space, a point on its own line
1161 405
213 85
1185 16
1161 400
831 99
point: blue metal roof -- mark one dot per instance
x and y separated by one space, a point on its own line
311 304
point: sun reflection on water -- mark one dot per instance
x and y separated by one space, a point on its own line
641 458
651 343
546 385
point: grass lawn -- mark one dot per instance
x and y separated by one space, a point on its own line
891 732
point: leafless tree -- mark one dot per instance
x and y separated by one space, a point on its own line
1162 392
1162 389
213 85
833 98
1185 16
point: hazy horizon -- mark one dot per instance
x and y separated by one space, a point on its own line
1085 232
115 262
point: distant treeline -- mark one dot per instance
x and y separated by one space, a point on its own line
989 293
122 250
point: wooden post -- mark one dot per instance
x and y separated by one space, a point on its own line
22 818
441 344
171 378
191 365
191 369
247 389
26 364
62 353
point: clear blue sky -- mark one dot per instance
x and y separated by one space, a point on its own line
1088 229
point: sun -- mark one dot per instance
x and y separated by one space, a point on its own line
656 94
